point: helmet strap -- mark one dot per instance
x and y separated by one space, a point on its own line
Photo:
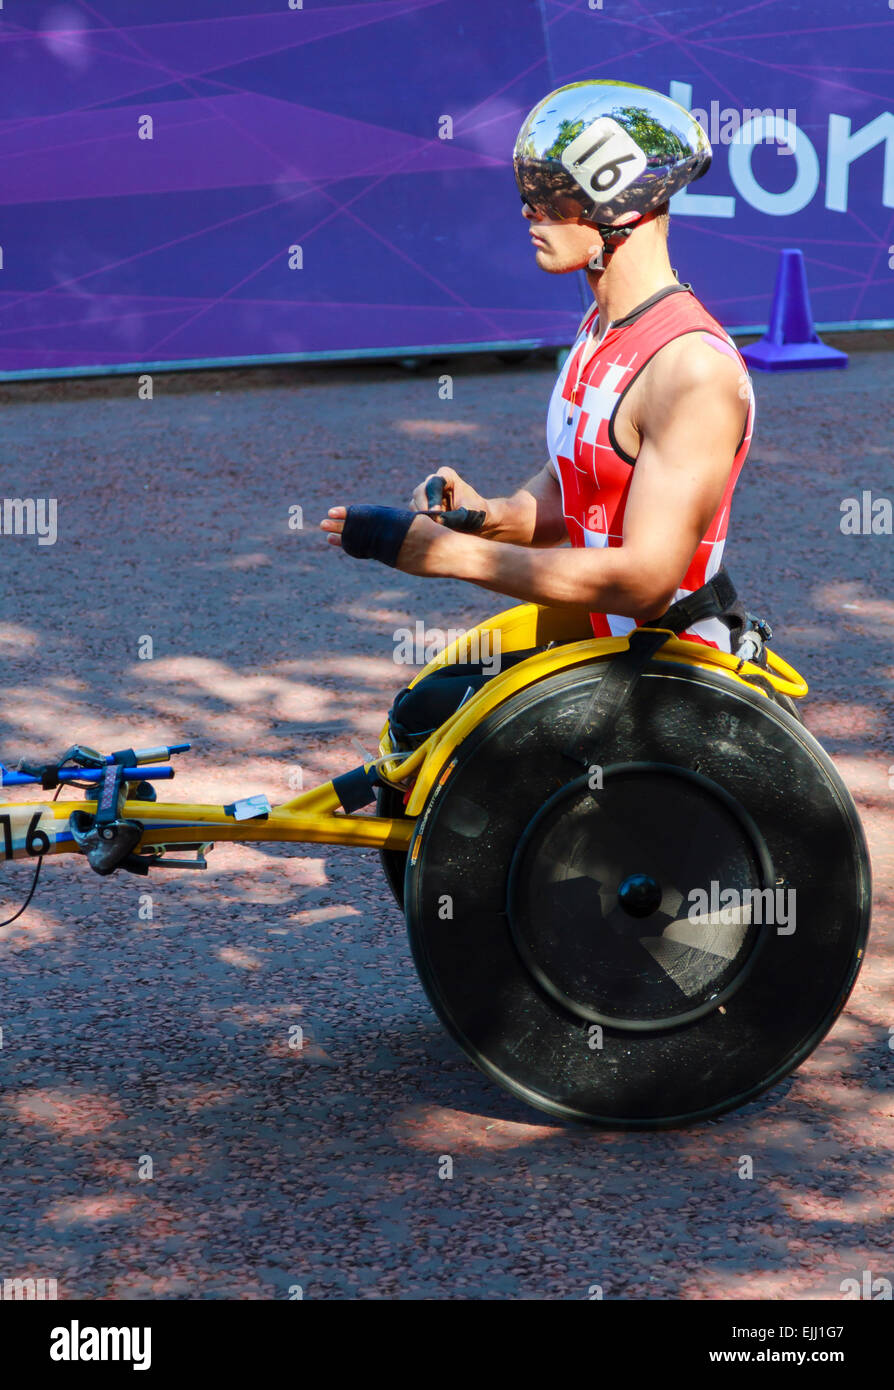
612 237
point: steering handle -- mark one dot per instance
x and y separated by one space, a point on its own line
456 518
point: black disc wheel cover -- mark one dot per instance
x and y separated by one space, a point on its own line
553 925
600 896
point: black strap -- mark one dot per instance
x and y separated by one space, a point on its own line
613 691
110 793
47 772
72 759
354 789
376 533
710 601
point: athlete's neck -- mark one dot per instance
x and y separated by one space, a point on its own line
634 272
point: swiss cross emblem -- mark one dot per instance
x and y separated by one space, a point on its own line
597 406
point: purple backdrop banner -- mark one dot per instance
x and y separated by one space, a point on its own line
224 180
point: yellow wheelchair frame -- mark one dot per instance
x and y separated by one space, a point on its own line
316 816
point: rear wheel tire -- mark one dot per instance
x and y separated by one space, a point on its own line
540 910
390 803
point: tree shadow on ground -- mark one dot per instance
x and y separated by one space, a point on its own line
169 1037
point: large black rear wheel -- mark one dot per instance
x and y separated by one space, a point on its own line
390 803
656 937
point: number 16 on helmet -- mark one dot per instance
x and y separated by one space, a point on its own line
607 152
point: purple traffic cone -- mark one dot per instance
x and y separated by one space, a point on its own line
791 340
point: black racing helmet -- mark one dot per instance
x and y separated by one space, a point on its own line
608 152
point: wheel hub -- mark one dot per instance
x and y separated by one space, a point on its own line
639 895
612 897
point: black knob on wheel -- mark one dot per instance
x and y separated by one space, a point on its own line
639 895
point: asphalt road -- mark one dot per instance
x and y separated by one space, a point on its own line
127 1039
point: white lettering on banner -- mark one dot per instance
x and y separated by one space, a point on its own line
806 182
844 146
697 204
721 126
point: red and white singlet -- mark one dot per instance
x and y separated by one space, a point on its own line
594 473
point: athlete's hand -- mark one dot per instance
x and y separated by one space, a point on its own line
446 494
426 549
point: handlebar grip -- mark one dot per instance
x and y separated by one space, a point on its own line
151 755
434 490
457 518
158 755
460 519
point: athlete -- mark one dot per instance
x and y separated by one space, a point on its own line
651 416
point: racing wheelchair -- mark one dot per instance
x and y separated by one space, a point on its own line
636 889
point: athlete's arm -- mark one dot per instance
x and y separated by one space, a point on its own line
531 516
690 425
